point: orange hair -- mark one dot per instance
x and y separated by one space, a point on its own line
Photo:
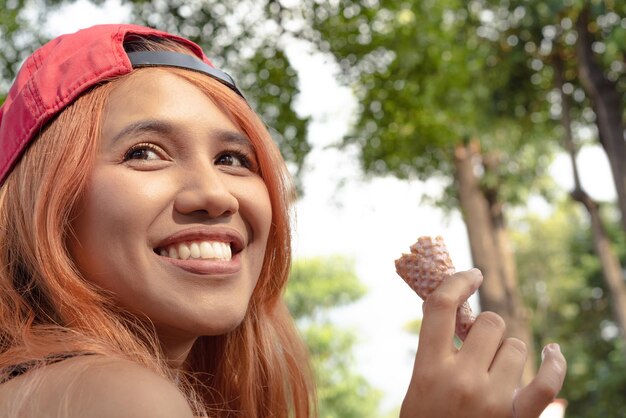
260 369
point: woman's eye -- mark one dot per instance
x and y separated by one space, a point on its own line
143 152
233 159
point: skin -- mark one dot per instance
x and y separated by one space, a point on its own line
172 167
73 389
480 379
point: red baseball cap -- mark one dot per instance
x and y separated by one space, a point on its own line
60 71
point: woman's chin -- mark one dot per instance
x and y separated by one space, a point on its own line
220 326
172 335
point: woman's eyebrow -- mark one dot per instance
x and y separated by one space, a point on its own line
165 128
145 126
231 136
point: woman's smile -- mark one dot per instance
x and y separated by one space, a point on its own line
211 251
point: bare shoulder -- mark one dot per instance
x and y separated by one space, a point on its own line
93 386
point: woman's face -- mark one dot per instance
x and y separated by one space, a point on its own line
175 218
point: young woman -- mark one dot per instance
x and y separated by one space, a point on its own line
145 246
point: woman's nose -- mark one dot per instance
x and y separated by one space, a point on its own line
206 192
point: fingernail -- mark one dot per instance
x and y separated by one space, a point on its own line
553 347
476 271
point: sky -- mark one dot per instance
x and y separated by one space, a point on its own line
371 221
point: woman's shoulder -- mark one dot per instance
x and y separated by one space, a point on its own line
94 386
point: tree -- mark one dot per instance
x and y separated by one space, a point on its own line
590 33
609 261
316 287
605 96
570 303
577 49
441 95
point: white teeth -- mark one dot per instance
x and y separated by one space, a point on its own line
194 250
206 250
217 248
183 251
198 250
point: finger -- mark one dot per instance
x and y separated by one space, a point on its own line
508 365
483 341
531 400
437 330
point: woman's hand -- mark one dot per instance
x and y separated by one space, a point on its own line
480 379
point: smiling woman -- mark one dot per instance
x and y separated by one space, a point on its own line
164 243
145 247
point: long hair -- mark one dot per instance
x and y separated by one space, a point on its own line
260 369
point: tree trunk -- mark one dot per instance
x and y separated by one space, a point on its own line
607 105
520 325
490 250
611 267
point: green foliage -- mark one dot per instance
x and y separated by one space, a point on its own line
430 75
272 90
21 34
541 30
316 287
563 287
342 393
319 284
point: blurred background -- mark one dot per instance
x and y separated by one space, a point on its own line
496 124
